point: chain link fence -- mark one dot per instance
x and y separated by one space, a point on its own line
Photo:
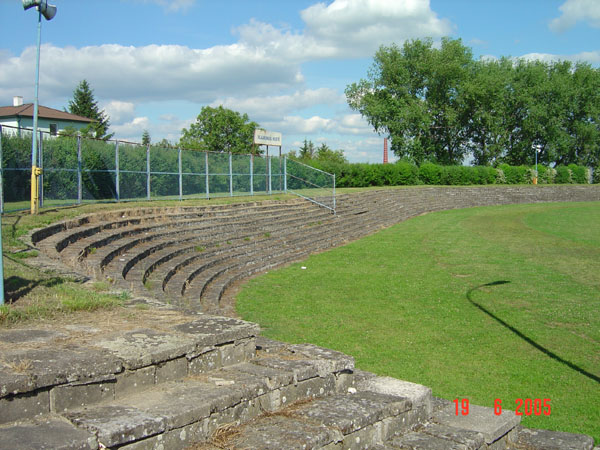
77 170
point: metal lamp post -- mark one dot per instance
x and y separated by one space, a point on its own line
537 148
48 11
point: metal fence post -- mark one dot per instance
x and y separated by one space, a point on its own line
252 174
1 266
148 171
269 173
285 174
230 175
334 194
117 177
41 166
79 178
180 174
206 174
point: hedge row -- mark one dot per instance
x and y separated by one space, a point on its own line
405 173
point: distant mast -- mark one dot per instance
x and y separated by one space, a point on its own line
385 151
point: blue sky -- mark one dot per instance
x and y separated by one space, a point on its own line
153 64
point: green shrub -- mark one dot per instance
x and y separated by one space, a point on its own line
578 174
456 175
500 177
430 173
547 174
563 175
515 174
407 173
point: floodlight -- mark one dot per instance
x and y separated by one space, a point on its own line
48 11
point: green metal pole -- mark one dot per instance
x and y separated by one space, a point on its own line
1 266
1 211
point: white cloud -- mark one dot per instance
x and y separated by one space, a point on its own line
131 130
119 112
301 125
574 11
347 29
259 108
589 57
357 28
153 72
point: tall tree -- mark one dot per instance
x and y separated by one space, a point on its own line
412 95
219 130
84 104
146 137
307 150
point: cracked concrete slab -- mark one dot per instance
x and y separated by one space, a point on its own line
29 369
143 347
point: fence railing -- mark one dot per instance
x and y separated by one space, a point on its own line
77 170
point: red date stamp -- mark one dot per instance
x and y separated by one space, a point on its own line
523 407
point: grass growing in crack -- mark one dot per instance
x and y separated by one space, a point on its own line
483 303
33 295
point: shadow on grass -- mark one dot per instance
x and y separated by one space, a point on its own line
17 287
530 341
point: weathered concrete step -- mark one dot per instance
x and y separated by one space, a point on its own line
79 242
497 430
101 251
349 421
51 372
179 413
150 213
156 248
50 432
530 439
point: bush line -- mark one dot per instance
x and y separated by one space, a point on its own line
404 173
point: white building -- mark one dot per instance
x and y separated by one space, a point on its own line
20 117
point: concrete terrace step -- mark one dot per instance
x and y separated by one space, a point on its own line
146 389
59 236
44 370
85 247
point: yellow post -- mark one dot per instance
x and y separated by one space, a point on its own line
35 173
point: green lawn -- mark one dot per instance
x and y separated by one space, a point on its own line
483 303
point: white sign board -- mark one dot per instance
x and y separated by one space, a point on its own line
263 137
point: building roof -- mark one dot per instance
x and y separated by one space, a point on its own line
44 112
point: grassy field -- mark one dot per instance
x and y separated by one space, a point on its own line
484 304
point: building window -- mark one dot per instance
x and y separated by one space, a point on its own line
53 129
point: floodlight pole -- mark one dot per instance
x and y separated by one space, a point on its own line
537 148
42 8
35 170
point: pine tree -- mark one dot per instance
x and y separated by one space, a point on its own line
84 104
146 137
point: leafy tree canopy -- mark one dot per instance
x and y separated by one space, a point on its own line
84 104
440 105
219 130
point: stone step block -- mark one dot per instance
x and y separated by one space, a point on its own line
497 430
190 410
349 421
531 439
57 378
51 433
